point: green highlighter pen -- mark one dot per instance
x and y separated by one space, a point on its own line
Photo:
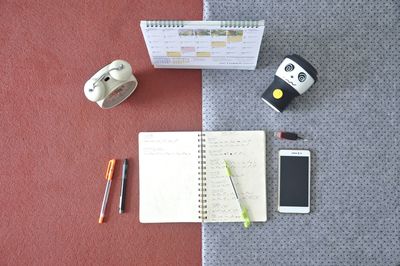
244 214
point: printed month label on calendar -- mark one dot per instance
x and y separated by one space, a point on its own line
203 44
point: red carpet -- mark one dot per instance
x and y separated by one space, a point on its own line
55 145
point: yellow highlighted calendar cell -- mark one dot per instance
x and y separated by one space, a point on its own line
235 35
235 38
218 44
174 54
203 54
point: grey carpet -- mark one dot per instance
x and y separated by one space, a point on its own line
351 116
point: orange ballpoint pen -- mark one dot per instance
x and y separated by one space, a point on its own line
109 175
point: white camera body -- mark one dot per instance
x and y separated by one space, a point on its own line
111 85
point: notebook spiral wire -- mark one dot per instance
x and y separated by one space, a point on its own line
202 179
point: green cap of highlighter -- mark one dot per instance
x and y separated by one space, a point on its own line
246 218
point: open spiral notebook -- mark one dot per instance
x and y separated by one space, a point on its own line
182 176
203 44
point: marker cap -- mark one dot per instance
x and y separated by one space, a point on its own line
110 169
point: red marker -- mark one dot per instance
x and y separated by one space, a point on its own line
288 135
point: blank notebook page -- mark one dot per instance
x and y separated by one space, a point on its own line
168 177
245 153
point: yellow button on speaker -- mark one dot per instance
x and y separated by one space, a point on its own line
277 93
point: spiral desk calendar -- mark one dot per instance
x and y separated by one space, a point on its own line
203 44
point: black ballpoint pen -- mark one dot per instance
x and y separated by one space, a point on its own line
123 187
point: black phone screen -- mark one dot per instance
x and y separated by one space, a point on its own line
294 181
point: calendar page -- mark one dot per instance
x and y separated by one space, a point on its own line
203 44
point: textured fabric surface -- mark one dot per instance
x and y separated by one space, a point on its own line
55 144
351 116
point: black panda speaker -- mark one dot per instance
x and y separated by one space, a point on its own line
293 77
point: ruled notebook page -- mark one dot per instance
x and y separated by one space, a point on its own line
245 153
168 177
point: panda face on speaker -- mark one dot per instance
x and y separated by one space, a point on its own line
295 75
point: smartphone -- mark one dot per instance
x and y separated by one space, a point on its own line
294 181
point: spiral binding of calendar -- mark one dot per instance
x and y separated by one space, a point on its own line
223 24
202 179
239 24
165 23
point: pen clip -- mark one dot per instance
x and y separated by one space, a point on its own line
110 169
